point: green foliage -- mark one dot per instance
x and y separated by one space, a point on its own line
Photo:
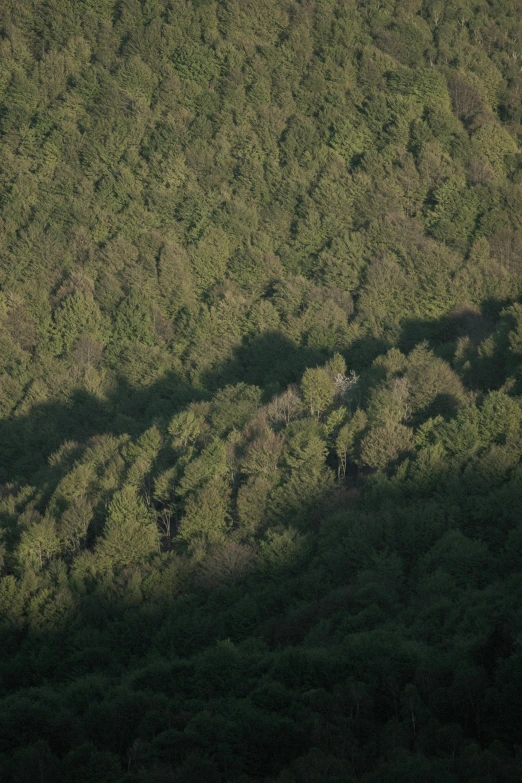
283 550
318 389
494 143
514 313
205 521
252 503
129 534
385 443
306 479
260 414
454 212
348 438
210 464
74 524
234 406
77 316
134 321
38 544
186 427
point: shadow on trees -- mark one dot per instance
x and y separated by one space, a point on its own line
463 323
476 340
466 325
270 361
349 635
397 602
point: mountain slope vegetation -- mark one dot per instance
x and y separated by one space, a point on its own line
260 391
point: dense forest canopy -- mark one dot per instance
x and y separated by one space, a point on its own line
261 391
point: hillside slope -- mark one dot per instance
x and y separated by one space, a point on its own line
260 391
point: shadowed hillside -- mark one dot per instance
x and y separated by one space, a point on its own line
260 391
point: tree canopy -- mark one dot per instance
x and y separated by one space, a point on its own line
260 391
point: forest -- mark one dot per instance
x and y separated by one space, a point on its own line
261 391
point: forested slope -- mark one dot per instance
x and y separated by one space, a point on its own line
260 391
